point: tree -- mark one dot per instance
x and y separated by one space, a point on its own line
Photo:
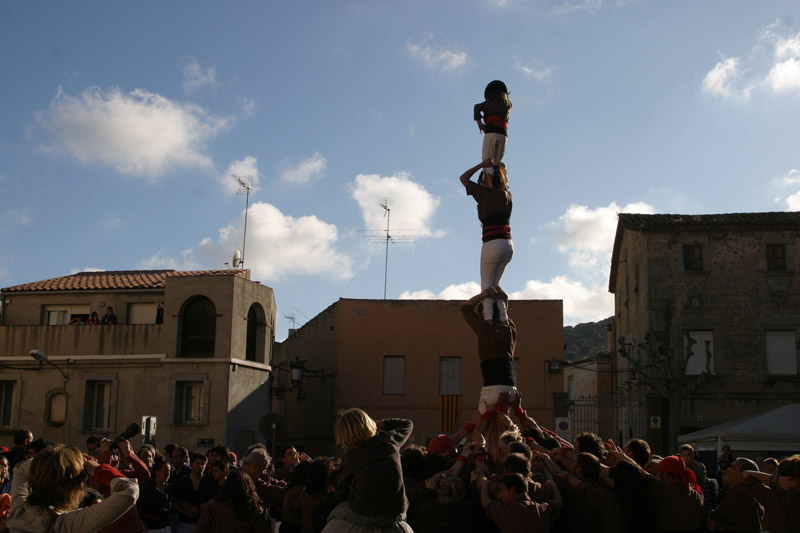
663 372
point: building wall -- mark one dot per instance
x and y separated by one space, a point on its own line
145 386
583 377
355 335
310 409
26 308
141 360
734 297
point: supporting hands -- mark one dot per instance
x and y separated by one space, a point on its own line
500 293
517 401
548 462
464 178
502 400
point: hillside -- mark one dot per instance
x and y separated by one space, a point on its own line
586 339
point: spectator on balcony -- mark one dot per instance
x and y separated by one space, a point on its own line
93 319
109 317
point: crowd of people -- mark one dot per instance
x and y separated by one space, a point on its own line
533 482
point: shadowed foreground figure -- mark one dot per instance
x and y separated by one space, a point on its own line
371 487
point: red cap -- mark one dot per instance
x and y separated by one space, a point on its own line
440 444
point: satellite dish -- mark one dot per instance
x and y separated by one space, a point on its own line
237 258
273 427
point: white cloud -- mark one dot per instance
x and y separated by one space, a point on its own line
533 70
720 80
138 133
412 206
195 76
16 217
246 169
312 168
793 202
571 6
76 270
463 291
581 303
790 180
773 62
437 57
279 245
248 106
792 177
412 129
588 235
111 222
785 74
159 261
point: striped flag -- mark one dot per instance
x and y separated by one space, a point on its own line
449 407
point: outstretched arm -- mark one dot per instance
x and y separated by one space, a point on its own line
469 313
468 429
486 163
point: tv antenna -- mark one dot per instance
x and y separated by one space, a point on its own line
396 237
292 319
245 186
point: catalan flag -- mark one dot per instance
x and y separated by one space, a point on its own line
449 407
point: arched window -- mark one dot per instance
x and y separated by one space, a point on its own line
256 333
198 326
56 407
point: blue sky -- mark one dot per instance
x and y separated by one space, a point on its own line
121 123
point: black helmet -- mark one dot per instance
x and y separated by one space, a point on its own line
494 87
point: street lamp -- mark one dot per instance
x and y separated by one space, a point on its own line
42 357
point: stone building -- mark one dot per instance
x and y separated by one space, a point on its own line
408 358
707 311
190 348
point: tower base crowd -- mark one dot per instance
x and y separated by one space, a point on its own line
529 480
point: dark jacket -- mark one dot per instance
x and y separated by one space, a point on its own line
372 478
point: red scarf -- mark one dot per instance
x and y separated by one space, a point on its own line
675 465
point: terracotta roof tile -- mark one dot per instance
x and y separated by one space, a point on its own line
116 279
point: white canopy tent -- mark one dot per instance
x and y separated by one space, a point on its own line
774 430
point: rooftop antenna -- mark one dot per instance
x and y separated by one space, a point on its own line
291 317
245 186
399 236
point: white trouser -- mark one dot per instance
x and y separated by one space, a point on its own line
495 255
490 394
494 148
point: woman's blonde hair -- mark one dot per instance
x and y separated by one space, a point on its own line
354 427
56 478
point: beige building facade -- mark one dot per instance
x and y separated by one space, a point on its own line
190 348
413 359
